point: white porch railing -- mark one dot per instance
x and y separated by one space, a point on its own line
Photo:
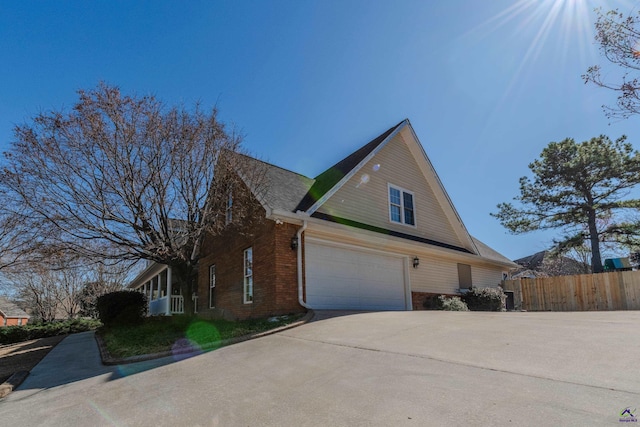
177 304
158 306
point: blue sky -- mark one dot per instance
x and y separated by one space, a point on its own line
486 84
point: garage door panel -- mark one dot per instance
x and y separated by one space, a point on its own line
342 278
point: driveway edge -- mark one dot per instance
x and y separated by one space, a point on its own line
189 351
12 383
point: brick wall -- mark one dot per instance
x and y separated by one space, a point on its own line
12 321
274 272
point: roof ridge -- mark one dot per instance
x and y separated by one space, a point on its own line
332 176
387 132
273 165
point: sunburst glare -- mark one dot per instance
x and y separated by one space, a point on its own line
558 32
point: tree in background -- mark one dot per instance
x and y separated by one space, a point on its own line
618 37
575 186
106 279
123 171
563 265
64 288
38 291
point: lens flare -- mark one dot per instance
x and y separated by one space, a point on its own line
363 180
202 333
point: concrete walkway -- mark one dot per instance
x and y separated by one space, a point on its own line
75 358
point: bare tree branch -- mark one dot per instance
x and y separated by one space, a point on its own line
126 172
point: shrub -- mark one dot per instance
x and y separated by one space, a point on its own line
433 302
485 299
122 308
452 304
13 334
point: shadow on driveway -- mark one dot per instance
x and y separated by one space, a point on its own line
76 358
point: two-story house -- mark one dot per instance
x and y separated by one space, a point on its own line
375 231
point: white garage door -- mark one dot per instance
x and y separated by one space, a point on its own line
338 278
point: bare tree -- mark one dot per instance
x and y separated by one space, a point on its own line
38 290
618 37
560 265
105 279
9 240
12 244
126 171
64 286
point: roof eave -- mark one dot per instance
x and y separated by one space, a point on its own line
355 169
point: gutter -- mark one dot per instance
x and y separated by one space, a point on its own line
300 292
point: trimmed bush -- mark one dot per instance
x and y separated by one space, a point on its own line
122 308
32 331
485 299
433 302
452 304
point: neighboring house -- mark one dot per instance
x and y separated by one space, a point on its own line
545 264
376 231
11 314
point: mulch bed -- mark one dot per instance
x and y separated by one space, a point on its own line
23 356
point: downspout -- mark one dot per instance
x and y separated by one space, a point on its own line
299 237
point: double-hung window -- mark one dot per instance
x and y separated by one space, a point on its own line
401 208
248 276
212 286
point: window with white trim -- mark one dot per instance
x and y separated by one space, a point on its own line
212 286
248 276
229 210
401 207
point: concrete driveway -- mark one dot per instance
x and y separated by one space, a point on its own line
388 368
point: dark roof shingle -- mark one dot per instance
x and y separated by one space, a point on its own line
329 178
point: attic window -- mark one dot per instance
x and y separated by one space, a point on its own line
401 207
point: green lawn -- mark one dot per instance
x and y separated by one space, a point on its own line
158 334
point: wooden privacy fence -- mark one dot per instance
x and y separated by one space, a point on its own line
585 292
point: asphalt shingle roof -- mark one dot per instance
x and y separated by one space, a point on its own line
329 178
283 189
9 309
486 252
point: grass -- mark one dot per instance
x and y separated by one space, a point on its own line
160 334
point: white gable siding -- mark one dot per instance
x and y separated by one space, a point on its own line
365 197
484 276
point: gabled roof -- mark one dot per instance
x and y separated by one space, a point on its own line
283 189
332 176
9 309
292 192
532 262
564 265
486 252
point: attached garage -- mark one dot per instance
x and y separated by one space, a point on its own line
340 277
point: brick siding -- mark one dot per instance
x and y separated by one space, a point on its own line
275 289
12 321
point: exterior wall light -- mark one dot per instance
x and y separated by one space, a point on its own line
416 262
294 243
